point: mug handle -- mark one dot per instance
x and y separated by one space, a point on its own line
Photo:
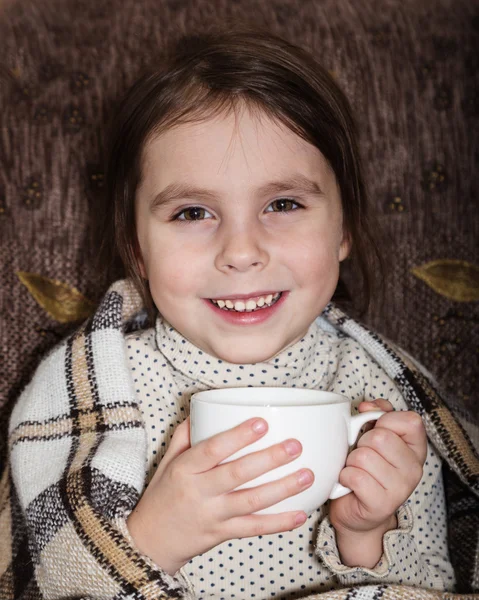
354 425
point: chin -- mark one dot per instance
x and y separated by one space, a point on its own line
246 356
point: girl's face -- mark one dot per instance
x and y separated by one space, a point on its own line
239 212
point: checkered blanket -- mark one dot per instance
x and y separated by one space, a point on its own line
77 450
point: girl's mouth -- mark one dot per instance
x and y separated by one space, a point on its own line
248 305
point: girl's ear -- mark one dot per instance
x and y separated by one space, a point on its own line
345 247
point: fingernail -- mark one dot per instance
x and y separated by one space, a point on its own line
259 426
304 478
292 447
300 518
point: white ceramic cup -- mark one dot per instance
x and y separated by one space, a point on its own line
321 421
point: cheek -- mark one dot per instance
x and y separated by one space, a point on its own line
172 271
315 270
316 253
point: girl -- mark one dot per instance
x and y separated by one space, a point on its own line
235 192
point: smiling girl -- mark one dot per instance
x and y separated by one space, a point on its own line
235 192
255 217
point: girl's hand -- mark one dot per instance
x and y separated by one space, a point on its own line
382 471
190 506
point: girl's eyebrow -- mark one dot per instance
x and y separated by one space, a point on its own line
178 191
296 182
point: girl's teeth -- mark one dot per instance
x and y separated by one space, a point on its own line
249 305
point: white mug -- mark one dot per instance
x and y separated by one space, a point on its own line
321 421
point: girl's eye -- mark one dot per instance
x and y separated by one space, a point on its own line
282 205
193 213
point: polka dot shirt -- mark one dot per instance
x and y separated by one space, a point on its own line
167 369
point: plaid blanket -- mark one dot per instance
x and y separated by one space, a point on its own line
78 444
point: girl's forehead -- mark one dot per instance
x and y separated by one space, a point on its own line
231 140
234 125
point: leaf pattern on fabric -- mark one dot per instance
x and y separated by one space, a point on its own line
62 302
455 279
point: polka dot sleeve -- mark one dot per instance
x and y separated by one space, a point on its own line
416 552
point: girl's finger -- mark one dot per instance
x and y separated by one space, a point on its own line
392 448
180 442
367 490
211 452
381 470
409 427
231 475
250 500
379 404
256 525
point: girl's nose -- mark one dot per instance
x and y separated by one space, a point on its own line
242 251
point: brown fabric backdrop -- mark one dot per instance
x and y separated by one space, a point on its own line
410 70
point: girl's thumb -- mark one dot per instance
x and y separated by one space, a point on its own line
180 442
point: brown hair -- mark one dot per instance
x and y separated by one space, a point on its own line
201 75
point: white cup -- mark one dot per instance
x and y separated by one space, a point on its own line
321 421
